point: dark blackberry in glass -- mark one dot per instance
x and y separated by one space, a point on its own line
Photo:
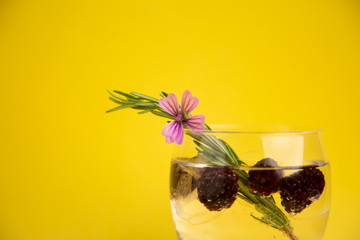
217 188
265 182
301 189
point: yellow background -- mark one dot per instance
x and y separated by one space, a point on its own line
69 171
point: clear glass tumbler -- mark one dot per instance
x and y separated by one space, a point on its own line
250 183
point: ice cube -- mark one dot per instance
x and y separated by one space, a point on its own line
182 182
190 209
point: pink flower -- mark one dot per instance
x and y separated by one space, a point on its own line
174 131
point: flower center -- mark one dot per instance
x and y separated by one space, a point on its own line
179 117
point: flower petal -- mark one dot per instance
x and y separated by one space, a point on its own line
174 132
166 129
188 102
170 104
196 122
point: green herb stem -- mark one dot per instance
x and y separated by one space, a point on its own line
214 151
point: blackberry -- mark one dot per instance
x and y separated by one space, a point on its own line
302 188
265 182
217 188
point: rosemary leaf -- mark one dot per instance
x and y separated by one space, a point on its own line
119 108
144 96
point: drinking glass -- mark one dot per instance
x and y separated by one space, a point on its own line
250 182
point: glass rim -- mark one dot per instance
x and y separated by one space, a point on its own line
315 164
259 129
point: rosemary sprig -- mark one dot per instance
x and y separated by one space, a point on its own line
214 151
218 152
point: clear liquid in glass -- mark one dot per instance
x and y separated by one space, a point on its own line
193 221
